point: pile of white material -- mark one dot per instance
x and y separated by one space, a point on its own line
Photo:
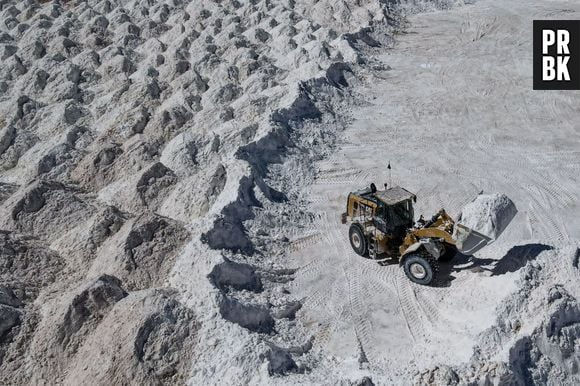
535 338
124 125
489 214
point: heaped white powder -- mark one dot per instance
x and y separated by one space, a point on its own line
489 214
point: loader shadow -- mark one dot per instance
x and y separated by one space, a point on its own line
516 258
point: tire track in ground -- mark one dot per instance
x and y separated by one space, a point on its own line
383 276
361 325
547 225
543 192
338 177
319 295
361 279
413 314
428 306
315 265
353 279
304 242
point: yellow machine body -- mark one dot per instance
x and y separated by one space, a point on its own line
371 209
382 226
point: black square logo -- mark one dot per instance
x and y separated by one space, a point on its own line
556 54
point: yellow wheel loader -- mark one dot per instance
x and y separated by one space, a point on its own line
382 227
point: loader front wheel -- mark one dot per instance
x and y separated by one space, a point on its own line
358 241
420 269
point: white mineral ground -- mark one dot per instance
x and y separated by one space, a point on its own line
454 115
172 175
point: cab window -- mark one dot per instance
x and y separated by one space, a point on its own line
401 213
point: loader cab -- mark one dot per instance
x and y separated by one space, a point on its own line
394 218
390 210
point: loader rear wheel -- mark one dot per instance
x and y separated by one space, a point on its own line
420 269
358 241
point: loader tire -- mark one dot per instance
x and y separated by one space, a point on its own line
420 269
357 238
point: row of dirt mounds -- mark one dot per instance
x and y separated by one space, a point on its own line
50 306
228 231
108 335
61 306
142 252
131 131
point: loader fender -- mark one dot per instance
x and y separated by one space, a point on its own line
430 246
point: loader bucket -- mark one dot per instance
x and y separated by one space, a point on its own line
482 221
469 241
488 214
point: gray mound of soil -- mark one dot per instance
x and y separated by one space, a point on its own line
238 276
88 307
146 338
254 318
280 361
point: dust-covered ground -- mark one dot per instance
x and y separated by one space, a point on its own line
172 175
455 114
